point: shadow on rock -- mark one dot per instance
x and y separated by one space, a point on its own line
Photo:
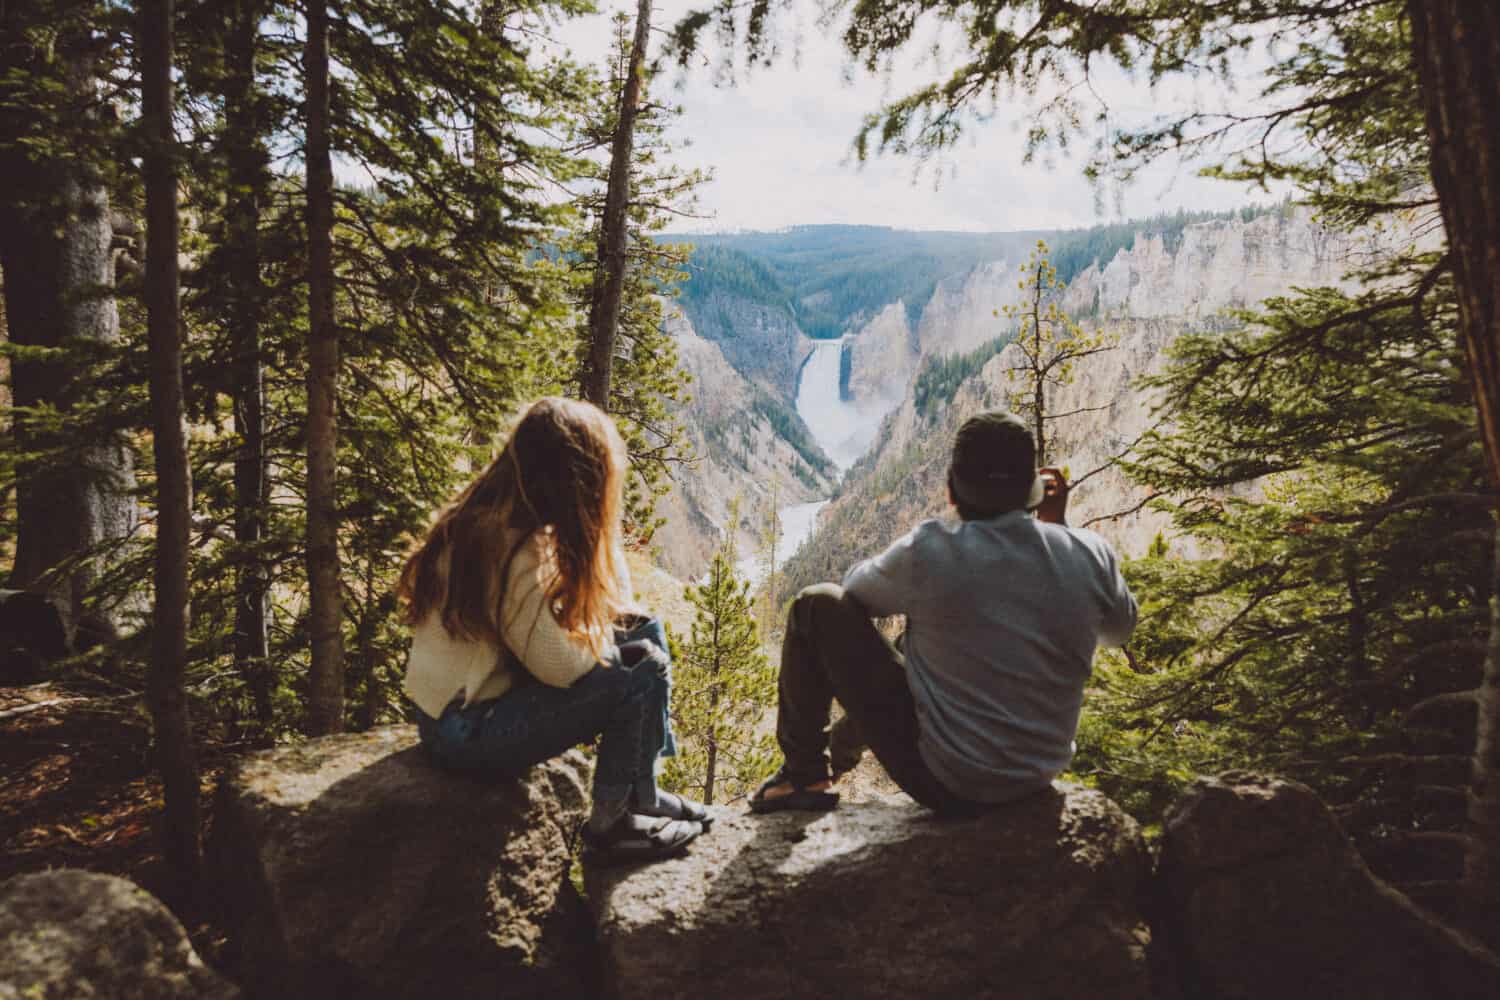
350 864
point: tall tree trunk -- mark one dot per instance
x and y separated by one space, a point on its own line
609 273
55 253
247 186
169 624
1039 372
7 441
1457 49
325 618
711 765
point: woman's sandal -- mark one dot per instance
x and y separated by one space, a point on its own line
672 806
637 838
800 797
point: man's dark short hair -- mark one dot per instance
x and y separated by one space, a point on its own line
993 467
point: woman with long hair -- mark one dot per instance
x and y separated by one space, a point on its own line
525 638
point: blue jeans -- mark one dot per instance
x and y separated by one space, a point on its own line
623 705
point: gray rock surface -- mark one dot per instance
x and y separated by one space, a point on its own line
1264 897
1036 900
350 866
69 933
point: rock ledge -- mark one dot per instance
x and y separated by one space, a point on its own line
1040 899
351 866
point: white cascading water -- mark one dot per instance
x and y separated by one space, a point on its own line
835 424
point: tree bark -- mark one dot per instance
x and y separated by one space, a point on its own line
325 618
609 272
1039 371
1456 45
55 252
164 683
247 187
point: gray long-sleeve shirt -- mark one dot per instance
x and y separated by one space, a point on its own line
1003 617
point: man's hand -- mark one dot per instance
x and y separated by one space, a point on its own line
1054 505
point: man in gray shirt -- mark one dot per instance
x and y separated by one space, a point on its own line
1004 610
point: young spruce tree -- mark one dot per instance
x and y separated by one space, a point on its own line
1050 343
722 689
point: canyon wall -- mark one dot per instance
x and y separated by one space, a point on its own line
760 341
742 436
1145 297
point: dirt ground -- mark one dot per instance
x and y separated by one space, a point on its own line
76 791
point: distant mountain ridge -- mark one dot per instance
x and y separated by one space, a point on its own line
833 278
830 279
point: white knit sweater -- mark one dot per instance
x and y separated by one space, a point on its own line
441 665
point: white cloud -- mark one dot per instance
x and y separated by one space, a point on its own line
779 144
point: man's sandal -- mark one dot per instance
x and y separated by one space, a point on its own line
637 838
801 797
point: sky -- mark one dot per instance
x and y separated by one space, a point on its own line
778 144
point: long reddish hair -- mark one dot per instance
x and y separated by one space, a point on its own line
561 474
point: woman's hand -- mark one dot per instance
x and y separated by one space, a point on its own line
639 653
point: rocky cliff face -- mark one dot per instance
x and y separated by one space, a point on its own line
882 356
762 342
742 435
962 313
1145 297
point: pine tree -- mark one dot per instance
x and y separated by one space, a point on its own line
448 316
171 722
609 273
722 689
325 711
1322 458
1454 47
73 467
645 382
1050 343
770 540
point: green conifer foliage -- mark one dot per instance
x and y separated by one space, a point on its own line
1050 344
722 690
448 315
646 384
1325 463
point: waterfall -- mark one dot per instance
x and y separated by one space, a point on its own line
840 430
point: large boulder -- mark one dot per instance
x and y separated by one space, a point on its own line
69 933
1038 899
32 635
351 866
1262 896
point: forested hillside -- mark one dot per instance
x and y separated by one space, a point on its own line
833 277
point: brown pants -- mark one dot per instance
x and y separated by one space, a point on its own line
833 650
